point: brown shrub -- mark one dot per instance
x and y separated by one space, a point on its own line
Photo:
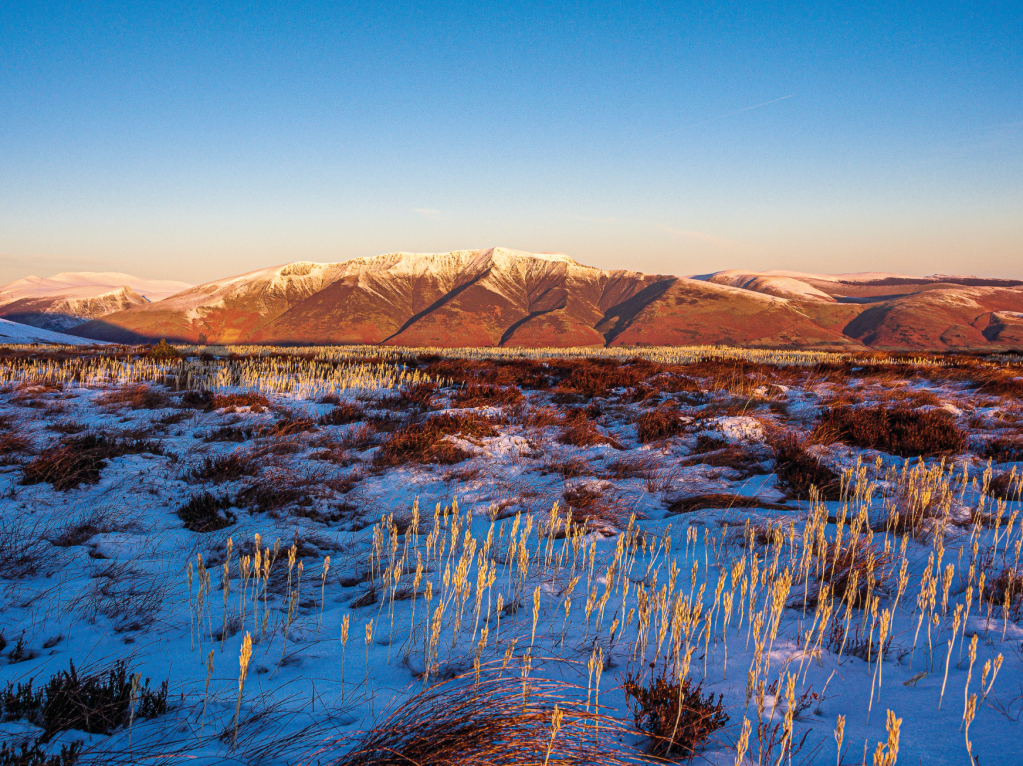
12 444
641 466
897 431
585 435
276 489
852 566
76 460
722 500
229 467
542 417
341 414
196 399
414 398
520 372
288 425
1006 486
675 715
486 395
671 382
251 399
798 471
999 381
139 397
596 377
425 443
661 423
206 513
1004 449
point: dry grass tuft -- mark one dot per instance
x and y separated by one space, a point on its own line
11 445
491 722
256 402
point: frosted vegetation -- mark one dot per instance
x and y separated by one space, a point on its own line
492 556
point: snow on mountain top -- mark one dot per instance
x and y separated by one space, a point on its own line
14 333
774 284
315 275
862 276
87 284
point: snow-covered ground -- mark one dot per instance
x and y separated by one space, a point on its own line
15 333
730 588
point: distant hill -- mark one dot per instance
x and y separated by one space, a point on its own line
502 297
68 299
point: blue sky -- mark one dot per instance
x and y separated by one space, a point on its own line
190 142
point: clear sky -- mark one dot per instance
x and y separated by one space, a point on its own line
198 140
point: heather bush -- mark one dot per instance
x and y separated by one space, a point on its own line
896 430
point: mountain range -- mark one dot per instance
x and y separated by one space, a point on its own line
502 297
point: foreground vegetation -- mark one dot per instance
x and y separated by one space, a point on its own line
393 556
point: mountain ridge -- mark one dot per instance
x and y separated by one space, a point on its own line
503 297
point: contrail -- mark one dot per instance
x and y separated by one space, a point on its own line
724 116
747 109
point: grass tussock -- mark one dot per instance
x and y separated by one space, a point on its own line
275 490
490 723
77 460
896 430
11 446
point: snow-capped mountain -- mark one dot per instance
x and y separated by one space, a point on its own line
502 297
68 299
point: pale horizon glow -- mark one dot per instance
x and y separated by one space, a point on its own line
195 143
